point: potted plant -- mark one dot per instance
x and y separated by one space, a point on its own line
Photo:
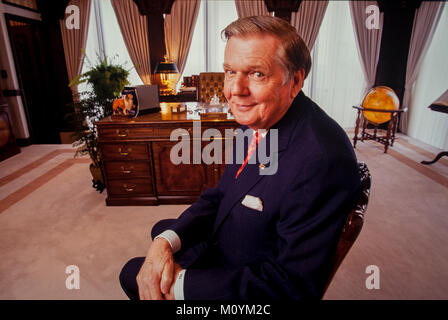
108 81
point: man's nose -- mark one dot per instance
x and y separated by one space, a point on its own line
239 85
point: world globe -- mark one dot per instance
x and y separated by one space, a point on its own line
381 98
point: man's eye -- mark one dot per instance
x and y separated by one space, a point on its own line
258 74
229 72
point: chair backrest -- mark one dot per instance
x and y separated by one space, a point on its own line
353 224
211 83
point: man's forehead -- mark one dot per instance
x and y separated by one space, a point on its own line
255 35
244 55
250 47
260 38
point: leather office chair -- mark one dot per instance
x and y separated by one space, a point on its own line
353 224
211 83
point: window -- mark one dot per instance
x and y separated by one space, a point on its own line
426 125
104 37
207 48
196 56
336 81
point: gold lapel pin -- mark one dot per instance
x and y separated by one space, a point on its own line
261 166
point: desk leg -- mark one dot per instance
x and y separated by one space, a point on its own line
440 155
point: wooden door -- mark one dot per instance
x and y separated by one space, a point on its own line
40 66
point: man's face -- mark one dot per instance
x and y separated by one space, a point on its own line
254 79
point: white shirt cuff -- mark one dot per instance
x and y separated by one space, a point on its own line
179 285
172 238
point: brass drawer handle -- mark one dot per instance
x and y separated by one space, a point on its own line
124 153
129 188
122 134
126 171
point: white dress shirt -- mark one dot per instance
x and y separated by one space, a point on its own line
175 244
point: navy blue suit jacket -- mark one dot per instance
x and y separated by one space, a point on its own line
282 252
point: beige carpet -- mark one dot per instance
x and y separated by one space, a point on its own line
51 217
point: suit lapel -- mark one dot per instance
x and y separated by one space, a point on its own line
237 187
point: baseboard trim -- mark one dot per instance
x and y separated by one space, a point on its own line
23 142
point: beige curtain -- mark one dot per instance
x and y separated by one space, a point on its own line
368 41
74 40
134 29
425 22
248 8
179 28
307 20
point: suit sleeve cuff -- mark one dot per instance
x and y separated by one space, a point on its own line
172 238
179 285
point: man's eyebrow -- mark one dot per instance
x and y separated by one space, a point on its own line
248 67
258 66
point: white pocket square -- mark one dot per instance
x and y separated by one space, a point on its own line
252 202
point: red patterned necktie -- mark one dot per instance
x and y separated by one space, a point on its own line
252 147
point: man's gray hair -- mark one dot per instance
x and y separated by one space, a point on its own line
293 54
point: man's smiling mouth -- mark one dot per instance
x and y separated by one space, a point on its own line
244 107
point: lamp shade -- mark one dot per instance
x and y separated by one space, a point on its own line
166 67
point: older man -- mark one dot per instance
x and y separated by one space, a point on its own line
260 236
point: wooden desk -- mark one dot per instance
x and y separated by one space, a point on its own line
443 109
136 158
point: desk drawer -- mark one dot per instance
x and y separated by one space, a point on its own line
189 131
124 151
125 133
129 187
127 169
137 133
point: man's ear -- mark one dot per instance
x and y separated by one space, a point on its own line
299 77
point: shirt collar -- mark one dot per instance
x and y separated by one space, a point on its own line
263 134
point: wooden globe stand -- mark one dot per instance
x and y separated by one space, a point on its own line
362 121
